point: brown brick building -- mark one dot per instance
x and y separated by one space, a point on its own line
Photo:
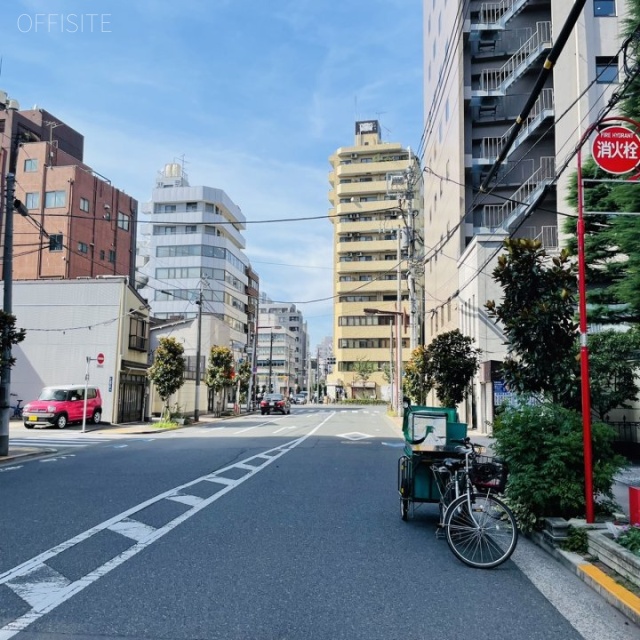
77 224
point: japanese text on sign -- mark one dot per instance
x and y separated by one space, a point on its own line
616 149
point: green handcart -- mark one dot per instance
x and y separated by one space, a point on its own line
428 434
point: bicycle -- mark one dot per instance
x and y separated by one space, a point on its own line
17 410
479 527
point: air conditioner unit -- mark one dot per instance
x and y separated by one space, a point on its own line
350 255
354 155
360 254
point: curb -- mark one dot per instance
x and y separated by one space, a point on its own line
26 453
615 594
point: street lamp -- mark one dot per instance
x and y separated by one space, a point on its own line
399 316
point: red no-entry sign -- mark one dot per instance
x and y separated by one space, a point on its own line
616 149
100 358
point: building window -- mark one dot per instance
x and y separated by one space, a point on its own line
604 8
606 69
30 165
54 199
123 221
83 247
55 242
112 256
192 206
33 200
84 205
191 228
208 207
137 334
101 254
169 208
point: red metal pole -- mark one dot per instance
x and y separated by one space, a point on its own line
584 349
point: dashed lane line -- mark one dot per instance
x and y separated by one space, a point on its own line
44 589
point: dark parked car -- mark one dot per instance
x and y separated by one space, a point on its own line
275 402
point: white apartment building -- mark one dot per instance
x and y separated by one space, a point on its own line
281 350
481 60
194 250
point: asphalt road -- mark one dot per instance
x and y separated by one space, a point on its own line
259 528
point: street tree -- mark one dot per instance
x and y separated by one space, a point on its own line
612 261
220 372
362 369
451 361
417 381
243 375
613 360
167 370
537 316
9 336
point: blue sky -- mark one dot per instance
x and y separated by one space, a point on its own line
255 95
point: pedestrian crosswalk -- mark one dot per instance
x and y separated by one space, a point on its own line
57 442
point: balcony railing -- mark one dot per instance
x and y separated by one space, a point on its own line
504 215
491 147
499 13
500 79
547 235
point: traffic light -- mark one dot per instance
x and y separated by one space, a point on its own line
20 208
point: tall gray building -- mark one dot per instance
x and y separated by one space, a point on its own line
481 60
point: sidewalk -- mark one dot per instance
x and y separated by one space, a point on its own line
617 595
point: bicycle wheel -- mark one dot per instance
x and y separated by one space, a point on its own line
481 530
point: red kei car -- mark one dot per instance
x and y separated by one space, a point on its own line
275 402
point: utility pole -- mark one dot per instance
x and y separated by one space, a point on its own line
269 383
254 346
7 278
398 401
196 411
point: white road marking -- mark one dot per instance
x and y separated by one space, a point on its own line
283 429
52 591
133 529
34 587
3 469
243 430
119 446
355 435
192 501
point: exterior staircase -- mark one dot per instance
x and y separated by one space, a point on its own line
491 147
507 214
496 81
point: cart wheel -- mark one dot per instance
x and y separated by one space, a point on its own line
404 501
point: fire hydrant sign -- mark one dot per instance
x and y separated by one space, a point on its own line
616 149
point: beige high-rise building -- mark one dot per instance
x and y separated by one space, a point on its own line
369 270
481 62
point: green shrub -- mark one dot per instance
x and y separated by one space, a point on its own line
543 446
630 539
578 541
164 424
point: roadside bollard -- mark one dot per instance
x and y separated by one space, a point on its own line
634 505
